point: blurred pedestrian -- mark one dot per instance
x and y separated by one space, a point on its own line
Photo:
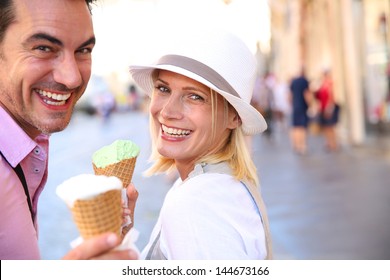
300 94
133 98
45 55
200 111
281 105
262 99
329 111
105 105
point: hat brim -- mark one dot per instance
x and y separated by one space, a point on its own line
252 121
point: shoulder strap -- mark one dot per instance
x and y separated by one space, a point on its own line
19 171
263 214
155 250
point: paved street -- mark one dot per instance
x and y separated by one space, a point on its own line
320 206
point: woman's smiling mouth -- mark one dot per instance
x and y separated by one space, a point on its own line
175 132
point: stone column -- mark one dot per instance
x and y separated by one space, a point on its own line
352 72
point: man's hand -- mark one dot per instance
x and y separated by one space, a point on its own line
100 248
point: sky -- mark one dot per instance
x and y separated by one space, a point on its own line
132 31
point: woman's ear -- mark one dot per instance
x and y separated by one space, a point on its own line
234 120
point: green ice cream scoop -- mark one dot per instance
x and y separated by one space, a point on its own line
115 152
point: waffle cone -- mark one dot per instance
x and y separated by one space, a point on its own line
99 215
123 170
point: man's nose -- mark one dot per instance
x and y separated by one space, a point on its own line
68 72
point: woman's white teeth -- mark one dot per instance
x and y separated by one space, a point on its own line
175 131
56 99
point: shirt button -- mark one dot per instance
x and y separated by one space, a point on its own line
36 170
37 151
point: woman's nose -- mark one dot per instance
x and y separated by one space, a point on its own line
172 108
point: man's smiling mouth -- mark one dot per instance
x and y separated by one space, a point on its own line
51 98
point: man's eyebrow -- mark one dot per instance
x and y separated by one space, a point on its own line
90 41
43 36
53 40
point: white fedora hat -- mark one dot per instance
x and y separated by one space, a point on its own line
217 59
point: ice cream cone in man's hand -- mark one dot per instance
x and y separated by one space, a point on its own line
95 202
117 159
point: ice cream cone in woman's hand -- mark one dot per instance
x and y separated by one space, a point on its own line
117 159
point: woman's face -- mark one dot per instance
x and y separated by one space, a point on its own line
181 109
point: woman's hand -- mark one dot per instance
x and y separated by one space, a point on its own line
128 208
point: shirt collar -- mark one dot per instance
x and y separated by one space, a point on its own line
15 144
200 168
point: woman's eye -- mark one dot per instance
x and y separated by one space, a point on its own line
196 97
162 88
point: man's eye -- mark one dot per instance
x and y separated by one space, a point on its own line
86 50
43 48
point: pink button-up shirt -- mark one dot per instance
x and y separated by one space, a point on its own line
18 235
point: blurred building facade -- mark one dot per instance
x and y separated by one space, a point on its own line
348 37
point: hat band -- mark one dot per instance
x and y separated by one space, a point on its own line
199 69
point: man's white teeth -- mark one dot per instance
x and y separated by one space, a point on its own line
175 131
57 99
54 103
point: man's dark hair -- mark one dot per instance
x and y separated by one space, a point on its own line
7 15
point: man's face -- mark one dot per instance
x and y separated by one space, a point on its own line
45 62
